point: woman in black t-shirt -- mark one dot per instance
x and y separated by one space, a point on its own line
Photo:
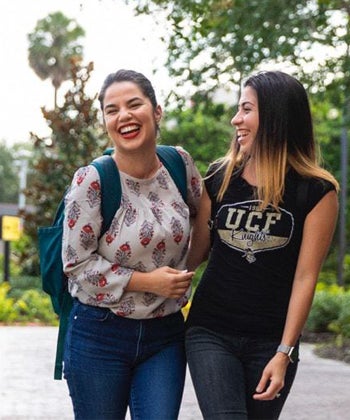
273 211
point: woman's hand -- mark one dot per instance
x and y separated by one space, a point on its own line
272 378
164 281
170 283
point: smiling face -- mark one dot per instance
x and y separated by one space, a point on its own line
131 120
246 121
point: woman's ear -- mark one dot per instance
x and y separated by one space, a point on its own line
158 114
102 120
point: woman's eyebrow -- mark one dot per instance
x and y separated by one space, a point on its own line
109 106
136 98
129 101
246 103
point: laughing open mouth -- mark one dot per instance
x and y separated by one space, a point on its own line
129 130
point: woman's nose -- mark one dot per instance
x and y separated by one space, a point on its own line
124 114
236 119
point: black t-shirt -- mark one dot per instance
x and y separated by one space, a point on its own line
246 286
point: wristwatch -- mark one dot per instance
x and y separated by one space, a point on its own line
289 351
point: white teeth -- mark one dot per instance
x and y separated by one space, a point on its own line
128 128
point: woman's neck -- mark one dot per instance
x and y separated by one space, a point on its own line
141 167
249 172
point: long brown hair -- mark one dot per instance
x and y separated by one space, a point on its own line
284 139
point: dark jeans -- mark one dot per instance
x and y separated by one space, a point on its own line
225 371
111 363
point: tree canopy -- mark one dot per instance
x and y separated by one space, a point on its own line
224 40
77 137
53 45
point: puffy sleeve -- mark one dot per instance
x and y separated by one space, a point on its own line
92 278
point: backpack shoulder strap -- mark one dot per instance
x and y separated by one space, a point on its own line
110 189
174 163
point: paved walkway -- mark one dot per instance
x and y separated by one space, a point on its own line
27 391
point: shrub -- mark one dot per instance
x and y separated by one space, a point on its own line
20 284
325 308
23 301
341 325
33 306
327 278
7 311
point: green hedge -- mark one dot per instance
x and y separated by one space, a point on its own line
330 311
22 302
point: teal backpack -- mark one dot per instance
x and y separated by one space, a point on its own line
54 281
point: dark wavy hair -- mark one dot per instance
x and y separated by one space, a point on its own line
129 76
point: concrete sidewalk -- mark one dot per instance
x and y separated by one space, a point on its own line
27 391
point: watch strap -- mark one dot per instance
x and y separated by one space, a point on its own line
288 350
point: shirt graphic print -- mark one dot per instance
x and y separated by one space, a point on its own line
246 228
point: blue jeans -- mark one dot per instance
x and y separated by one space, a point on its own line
111 363
225 371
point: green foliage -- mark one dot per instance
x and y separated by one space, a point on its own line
347 269
341 325
208 39
204 130
218 43
9 185
20 284
22 262
7 311
198 275
53 46
327 125
33 306
77 137
14 268
328 277
330 312
325 309
22 301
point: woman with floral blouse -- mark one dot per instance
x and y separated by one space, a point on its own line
125 342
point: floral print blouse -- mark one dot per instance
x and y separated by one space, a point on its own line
150 229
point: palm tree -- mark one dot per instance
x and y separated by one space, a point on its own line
53 46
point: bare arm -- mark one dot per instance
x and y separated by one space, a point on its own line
318 231
200 236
